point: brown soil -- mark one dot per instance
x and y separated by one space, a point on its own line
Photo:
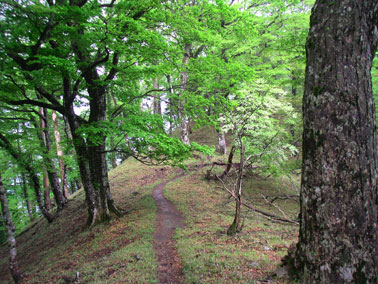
167 220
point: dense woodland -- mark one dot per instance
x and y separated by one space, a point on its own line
86 85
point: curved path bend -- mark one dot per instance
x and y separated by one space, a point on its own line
168 219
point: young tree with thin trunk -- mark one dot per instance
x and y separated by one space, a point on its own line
10 229
338 237
260 137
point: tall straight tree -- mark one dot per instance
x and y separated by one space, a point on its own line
338 238
9 226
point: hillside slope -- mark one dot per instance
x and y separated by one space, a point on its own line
121 251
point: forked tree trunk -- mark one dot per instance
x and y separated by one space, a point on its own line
338 238
236 226
10 229
92 164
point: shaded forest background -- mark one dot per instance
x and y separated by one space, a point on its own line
86 85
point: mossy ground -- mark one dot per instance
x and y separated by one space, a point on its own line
121 250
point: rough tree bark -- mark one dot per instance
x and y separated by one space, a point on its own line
10 229
338 238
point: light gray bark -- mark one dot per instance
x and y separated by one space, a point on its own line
221 148
184 80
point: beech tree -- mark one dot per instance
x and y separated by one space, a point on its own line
338 237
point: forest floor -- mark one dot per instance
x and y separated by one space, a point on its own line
130 249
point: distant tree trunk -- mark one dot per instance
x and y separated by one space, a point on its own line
26 196
221 147
229 162
184 79
67 130
4 143
236 226
113 145
24 184
293 84
157 102
46 190
45 141
338 237
171 112
60 154
10 229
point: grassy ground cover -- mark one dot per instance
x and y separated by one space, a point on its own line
121 250
209 255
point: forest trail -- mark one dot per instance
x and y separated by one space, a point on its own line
167 220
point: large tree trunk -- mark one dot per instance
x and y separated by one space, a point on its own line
98 164
13 264
92 161
82 154
338 238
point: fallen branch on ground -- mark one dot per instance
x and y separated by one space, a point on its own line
270 216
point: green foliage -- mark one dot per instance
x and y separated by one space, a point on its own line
260 119
234 48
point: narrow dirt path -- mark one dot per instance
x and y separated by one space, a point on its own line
168 219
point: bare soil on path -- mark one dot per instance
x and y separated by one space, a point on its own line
167 220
